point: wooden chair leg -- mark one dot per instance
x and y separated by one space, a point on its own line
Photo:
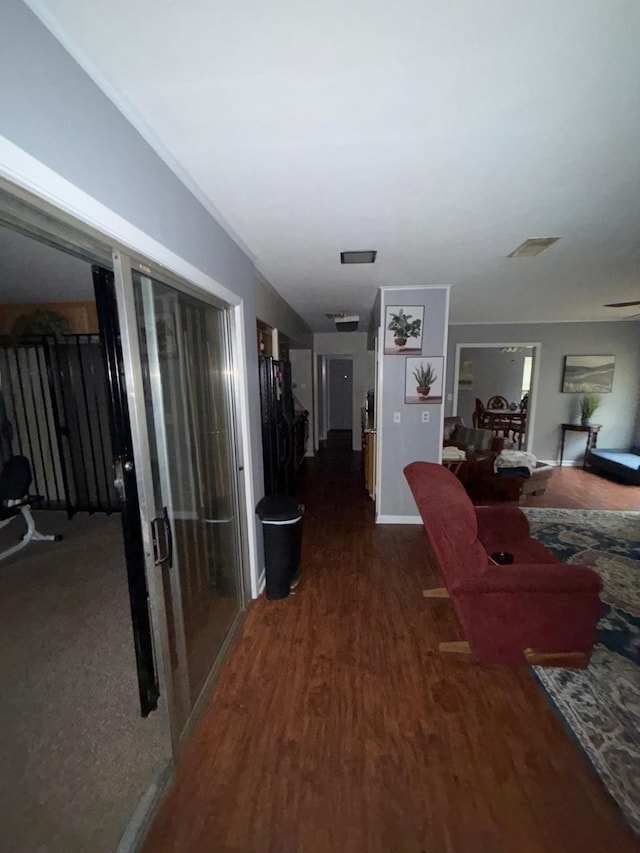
456 647
437 592
572 660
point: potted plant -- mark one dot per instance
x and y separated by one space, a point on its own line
589 404
403 328
425 377
40 322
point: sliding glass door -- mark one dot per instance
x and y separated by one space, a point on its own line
184 350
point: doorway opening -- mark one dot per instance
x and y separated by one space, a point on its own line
508 370
78 754
335 403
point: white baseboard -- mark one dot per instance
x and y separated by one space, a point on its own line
398 519
567 463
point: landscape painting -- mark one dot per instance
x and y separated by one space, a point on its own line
588 374
423 379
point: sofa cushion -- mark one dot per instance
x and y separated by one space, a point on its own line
628 460
479 439
450 425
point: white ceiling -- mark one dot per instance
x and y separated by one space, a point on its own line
442 134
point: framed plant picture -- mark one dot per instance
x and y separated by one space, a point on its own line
403 329
588 374
423 379
465 376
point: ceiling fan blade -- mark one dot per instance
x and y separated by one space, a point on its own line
622 304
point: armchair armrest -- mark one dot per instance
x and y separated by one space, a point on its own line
529 578
507 611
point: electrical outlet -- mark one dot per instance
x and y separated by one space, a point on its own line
396 417
449 398
425 417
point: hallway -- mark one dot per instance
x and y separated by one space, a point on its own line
336 725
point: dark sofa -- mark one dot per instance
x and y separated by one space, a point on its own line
622 464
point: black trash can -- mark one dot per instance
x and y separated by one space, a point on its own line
281 518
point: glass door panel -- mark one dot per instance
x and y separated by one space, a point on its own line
184 346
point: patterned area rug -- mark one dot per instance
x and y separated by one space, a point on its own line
601 704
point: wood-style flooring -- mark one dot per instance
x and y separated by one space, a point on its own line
335 724
573 488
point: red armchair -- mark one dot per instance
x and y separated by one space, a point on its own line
536 610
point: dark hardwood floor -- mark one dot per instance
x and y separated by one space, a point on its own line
336 725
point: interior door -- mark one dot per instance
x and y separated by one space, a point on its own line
340 394
125 481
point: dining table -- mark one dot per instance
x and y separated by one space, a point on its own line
506 421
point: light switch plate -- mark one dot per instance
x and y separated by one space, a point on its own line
396 417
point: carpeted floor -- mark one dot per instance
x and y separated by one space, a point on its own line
76 755
601 704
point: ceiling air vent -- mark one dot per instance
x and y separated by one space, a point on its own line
345 322
533 246
364 257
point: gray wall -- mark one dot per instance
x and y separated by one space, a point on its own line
51 109
374 322
302 378
618 415
275 312
410 439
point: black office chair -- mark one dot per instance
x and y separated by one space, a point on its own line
15 479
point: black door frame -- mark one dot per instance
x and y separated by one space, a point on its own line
125 477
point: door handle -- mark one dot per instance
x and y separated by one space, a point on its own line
169 535
161 522
118 480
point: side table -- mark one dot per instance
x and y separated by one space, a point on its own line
592 438
454 465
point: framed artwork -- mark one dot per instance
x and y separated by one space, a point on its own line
423 379
588 374
403 329
465 376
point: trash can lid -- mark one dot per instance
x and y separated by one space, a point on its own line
278 508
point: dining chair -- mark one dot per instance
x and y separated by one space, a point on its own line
479 418
498 402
